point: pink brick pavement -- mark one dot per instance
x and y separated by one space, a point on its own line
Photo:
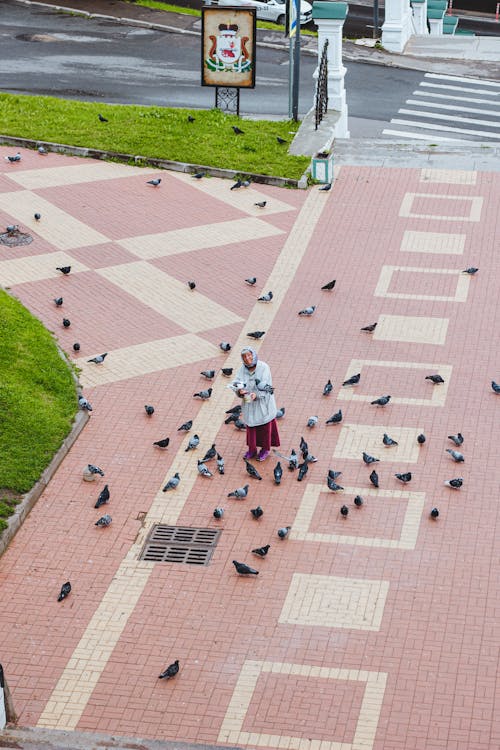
438 639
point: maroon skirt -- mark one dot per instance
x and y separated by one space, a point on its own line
263 436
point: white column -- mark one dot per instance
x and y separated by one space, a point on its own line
420 16
436 26
329 18
397 27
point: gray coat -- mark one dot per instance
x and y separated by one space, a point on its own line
263 409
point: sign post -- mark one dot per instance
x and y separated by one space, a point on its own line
292 30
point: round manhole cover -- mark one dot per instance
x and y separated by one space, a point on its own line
13 237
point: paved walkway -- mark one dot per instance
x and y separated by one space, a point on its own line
375 631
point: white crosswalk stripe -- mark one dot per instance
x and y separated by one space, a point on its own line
443 100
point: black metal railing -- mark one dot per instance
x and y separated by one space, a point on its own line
322 87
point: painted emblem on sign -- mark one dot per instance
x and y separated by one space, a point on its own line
228 50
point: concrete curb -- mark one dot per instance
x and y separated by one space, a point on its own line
146 161
15 521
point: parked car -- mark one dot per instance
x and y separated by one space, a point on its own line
272 10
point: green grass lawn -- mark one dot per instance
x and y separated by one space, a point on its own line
37 401
157 132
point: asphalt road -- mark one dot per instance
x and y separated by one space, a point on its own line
72 57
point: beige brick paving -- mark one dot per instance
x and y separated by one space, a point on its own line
414 329
56 226
433 242
334 602
36 268
151 356
195 238
169 296
364 736
438 393
476 203
34 179
353 439
409 530
385 278
448 176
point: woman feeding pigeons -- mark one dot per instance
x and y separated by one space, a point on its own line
259 406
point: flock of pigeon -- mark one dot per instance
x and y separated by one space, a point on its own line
296 462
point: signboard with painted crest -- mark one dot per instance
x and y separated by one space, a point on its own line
228 47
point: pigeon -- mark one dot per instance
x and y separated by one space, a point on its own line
186 426
421 438
172 483
353 380
251 281
234 410
382 401
436 379
458 439
374 478
434 513
303 469
13 159
66 322
240 425
240 493
236 130
232 418
150 410
256 334
280 413
257 512
198 175
344 511
104 521
170 671
471 271
307 311
332 485
404 477
278 473
204 395
261 204
237 184
103 497
334 474
265 297
194 441
64 269
227 371
284 531
312 421
455 484
281 140
210 454
326 187
191 285
388 440
293 460
65 591
218 512
42 150
330 285
369 459
99 359
37 216
244 570
203 470
358 501
76 346
335 418
154 182
456 456
94 470
328 388
84 404
162 443
12 228
220 464
225 346
369 329
262 551
309 458
191 118
58 301
251 470
495 386
303 446
101 118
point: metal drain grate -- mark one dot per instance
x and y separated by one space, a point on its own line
13 237
180 544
